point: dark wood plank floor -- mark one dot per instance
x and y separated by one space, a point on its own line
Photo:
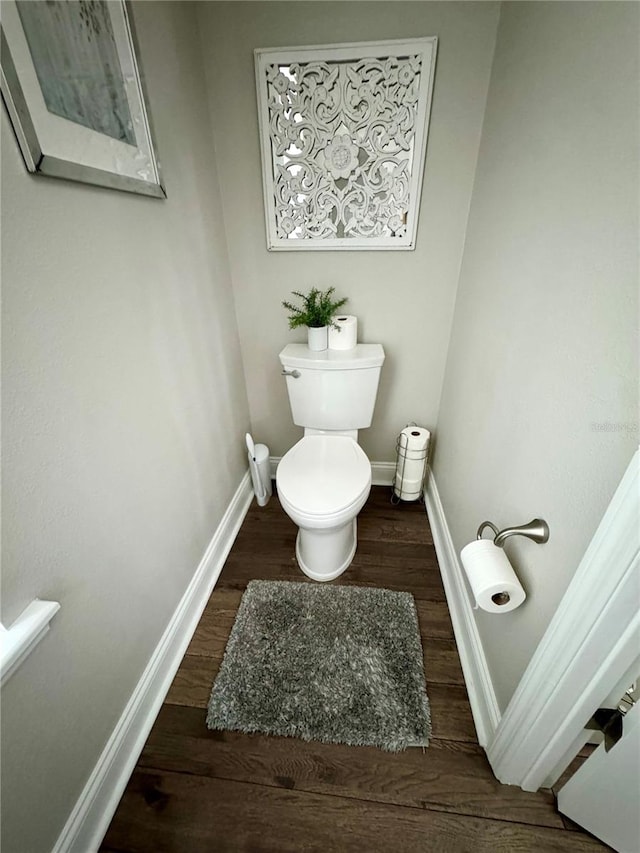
194 790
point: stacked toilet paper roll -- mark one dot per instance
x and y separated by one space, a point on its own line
413 445
345 336
493 582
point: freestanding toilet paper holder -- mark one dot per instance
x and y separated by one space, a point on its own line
399 489
537 530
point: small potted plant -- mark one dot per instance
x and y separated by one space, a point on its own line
316 312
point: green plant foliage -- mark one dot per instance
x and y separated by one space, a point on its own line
317 309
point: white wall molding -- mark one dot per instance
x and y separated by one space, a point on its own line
98 801
591 642
22 636
482 697
381 472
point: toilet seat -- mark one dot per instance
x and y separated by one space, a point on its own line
324 477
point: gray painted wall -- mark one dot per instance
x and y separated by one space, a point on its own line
403 300
123 417
124 392
539 412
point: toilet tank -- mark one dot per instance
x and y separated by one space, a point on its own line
335 389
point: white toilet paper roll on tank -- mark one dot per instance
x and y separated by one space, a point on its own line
345 336
493 582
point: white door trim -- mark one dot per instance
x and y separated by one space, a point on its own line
588 647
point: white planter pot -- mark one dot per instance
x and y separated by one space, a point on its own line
318 338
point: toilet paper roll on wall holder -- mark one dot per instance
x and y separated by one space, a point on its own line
537 530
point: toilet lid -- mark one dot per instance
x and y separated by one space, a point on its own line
323 474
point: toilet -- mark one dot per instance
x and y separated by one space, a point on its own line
324 480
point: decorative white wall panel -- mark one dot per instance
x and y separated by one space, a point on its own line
343 136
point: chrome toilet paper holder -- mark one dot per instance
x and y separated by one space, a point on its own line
536 530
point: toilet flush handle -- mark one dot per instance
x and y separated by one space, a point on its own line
294 373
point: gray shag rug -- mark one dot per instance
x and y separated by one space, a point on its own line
338 664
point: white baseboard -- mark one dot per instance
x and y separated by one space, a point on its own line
97 803
274 461
484 705
381 472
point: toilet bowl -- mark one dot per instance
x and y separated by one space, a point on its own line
325 479
323 482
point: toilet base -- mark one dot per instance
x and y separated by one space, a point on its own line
323 555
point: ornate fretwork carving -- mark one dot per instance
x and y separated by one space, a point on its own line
342 146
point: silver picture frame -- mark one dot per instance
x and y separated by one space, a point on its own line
113 151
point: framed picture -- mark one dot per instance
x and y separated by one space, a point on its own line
73 90
343 132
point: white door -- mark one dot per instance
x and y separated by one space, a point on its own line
589 651
603 796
